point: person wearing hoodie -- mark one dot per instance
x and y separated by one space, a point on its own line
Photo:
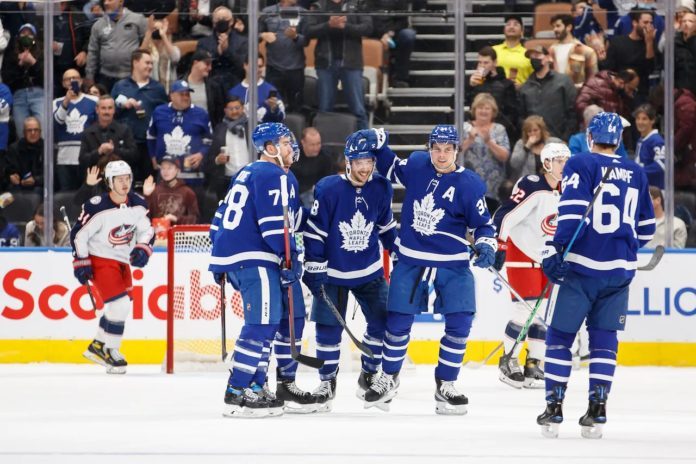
171 199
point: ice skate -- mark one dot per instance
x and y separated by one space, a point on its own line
382 391
110 358
594 419
448 400
533 374
297 401
550 420
324 395
510 371
365 381
244 403
275 405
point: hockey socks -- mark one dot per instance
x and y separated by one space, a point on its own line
453 345
287 367
603 347
262 370
375 343
558 361
328 349
396 340
248 353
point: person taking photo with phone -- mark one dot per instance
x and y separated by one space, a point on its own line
270 105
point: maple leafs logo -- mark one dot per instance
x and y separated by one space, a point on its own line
356 235
176 142
75 122
425 216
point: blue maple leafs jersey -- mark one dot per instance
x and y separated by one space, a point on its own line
438 210
247 229
651 155
621 220
344 226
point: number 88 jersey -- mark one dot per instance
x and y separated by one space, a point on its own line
247 229
622 217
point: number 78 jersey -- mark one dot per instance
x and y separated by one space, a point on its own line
247 229
621 221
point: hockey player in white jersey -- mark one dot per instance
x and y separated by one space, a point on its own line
350 216
249 250
525 221
112 233
443 201
592 262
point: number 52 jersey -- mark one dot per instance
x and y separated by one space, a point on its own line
247 229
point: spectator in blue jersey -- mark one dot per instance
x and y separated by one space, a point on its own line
338 54
282 27
25 158
578 141
5 110
136 98
650 148
72 114
270 107
182 130
9 234
227 46
585 25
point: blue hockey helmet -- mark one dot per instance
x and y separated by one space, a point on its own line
358 146
444 133
272 132
606 128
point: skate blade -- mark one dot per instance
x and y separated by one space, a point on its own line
593 432
118 370
240 412
94 358
296 408
325 407
383 404
550 430
507 380
276 412
445 409
360 393
532 383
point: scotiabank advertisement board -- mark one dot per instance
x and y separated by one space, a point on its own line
41 300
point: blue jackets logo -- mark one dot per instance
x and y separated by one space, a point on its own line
121 235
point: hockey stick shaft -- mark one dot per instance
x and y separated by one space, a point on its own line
223 323
294 353
528 323
654 259
361 346
89 289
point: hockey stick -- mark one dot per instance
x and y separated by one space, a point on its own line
477 364
89 289
361 346
223 308
505 358
296 355
654 259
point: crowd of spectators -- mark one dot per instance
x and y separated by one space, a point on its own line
125 89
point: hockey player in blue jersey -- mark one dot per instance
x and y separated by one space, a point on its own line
249 249
592 282
350 216
650 148
443 201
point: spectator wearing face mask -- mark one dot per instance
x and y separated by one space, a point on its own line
227 46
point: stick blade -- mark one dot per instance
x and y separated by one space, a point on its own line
654 259
314 363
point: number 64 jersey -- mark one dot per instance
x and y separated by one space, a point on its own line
247 229
621 221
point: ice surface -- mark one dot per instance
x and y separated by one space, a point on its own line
77 414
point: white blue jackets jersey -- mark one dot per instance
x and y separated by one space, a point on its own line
247 229
651 155
69 125
111 231
438 210
528 217
344 226
621 220
180 133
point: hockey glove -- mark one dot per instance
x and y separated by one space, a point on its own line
292 275
500 256
484 249
376 138
140 255
82 268
315 277
219 277
552 262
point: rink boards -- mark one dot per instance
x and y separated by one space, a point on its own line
46 316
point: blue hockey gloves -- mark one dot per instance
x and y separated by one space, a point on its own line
315 276
292 275
82 268
485 252
552 262
140 255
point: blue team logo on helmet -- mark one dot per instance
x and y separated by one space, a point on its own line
606 128
358 146
444 133
272 132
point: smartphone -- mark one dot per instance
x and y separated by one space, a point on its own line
273 94
75 86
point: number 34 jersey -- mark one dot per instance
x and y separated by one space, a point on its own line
247 229
621 221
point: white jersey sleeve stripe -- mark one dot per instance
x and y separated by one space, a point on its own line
567 217
573 203
272 232
256 255
646 222
316 229
601 265
270 218
312 236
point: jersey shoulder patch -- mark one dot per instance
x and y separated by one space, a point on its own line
533 178
95 200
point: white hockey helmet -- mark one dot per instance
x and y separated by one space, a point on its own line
553 150
116 168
